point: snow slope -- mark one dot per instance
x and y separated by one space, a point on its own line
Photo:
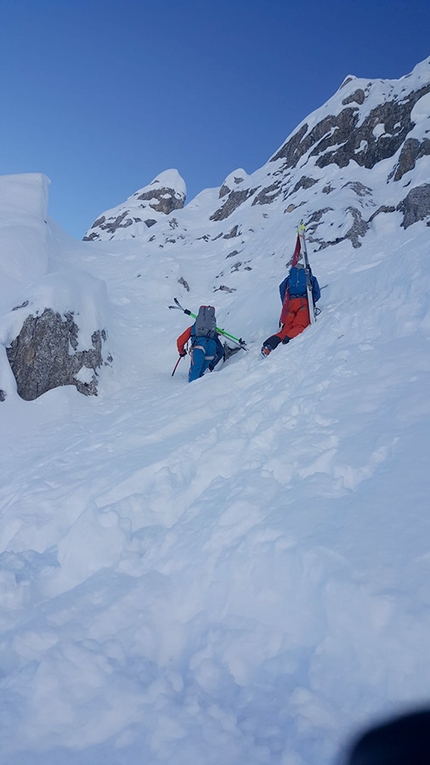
235 570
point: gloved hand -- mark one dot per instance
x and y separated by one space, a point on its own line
286 340
182 354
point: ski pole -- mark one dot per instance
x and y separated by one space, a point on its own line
237 340
176 365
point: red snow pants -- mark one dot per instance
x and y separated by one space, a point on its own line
297 318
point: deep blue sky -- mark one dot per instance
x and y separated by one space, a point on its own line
102 95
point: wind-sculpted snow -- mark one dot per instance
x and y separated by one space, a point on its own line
24 235
234 570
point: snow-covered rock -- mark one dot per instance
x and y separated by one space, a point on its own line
57 336
142 210
53 323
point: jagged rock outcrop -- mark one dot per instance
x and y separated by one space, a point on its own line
358 97
232 233
233 201
411 151
268 195
45 355
339 138
355 232
233 179
416 205
234 189
381 209
166 193
304 183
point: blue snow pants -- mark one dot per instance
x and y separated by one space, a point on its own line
205 353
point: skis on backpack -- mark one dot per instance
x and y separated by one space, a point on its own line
312 311
241 343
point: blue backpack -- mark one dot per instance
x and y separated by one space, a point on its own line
297 282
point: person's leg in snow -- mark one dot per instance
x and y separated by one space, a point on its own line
296 321
197 365
218 354
205 354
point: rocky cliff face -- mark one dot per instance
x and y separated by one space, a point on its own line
365 139
364 153
142 210
368 129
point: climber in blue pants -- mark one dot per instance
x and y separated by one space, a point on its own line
206 349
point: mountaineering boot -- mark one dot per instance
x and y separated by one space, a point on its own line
269 345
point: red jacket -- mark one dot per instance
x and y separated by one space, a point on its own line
183 340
